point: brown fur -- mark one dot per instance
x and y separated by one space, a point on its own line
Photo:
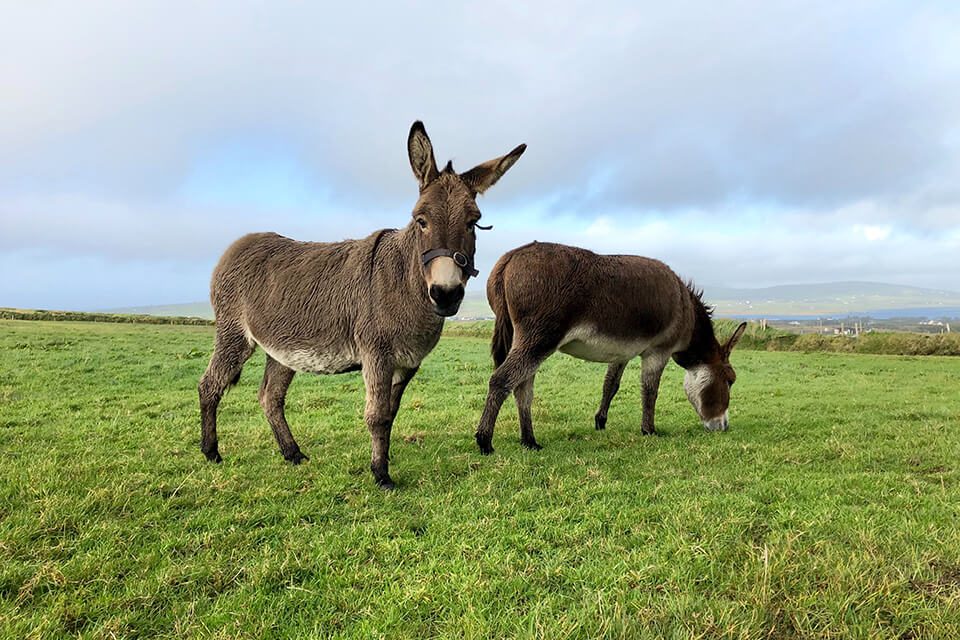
365 304
604 308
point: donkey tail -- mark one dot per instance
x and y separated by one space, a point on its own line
502 326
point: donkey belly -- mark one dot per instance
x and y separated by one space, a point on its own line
587 343
316 360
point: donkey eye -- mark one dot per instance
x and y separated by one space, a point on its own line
422 223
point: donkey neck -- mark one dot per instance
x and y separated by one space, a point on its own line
703 346
409 248
397 268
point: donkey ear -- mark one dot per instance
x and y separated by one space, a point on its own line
737 334
483 176
421 155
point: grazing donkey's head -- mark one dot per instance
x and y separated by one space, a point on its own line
446 216
708 384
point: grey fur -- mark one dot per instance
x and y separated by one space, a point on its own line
341 306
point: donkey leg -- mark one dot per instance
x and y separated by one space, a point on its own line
401 378
611 384
652 368
273 396
231 351
519 365
523 394
377 377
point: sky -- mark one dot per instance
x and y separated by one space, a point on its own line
743 143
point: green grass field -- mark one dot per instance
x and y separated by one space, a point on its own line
829 510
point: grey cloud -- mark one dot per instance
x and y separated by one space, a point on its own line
124 230
680 106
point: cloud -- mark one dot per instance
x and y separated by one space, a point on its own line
682 105
713 254
873 233
124 230
151 133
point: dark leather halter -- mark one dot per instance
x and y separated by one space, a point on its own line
463 261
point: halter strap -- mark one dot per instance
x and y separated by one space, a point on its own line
461 259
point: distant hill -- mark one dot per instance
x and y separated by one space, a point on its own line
186 310
824 299
832 298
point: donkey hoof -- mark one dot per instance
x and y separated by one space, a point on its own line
386 484
531 444
485 444
600 422
213 456
651 432
296 457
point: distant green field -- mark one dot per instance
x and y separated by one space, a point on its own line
829 510
771 339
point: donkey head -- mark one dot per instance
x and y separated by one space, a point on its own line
708 384
446 216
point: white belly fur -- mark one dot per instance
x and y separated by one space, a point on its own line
586 343
314 361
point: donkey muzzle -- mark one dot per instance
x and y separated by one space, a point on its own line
446 300
721 423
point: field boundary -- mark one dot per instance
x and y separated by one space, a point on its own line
897 343
83 316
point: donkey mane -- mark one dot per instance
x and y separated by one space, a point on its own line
703 341
696 294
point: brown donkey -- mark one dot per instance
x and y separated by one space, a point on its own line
375 304
550 297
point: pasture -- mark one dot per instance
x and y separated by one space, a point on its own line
829 509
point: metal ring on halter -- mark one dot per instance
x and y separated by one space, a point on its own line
462 260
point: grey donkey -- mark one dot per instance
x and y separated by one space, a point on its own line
375 304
